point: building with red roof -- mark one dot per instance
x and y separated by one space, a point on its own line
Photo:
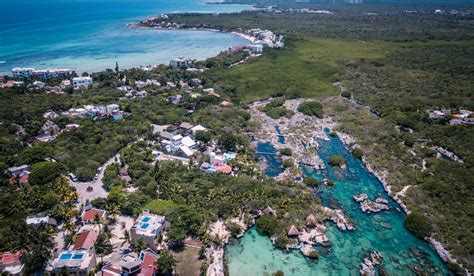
224 169
86 240
10 263
89 214
148 266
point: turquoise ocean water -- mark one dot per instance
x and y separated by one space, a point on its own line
384 232
91 35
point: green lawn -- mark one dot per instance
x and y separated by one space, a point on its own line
306 67
187 261
159 206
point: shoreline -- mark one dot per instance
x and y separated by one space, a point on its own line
141 25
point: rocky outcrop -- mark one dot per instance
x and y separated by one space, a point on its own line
337 216
369 264
360 197
369 206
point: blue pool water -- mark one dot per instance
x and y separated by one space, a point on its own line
91 35
65 256
146 219
384 232
77 256
268 152
144 226
281 138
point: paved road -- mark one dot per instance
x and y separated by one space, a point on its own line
97 185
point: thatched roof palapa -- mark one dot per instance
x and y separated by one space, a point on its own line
293 231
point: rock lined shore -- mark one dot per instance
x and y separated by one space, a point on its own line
382 177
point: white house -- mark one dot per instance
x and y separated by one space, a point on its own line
112 107
198 128
188 142
147 227
256 49
82 82
180 62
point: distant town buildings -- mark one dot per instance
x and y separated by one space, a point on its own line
82 82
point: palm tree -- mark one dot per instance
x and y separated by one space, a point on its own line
97 221
114 211
103 246
139 246
126 238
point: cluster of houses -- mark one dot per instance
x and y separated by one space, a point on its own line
266 37
99 113
463 117
37 85
80 257
177 140
139 90
277 9
179 143
50 131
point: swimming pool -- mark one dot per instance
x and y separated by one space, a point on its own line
144 225
71 256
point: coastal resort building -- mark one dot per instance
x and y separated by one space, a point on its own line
75 262
89 214
180 62
86 240
46 73
256 49
10 263
82 82
148 227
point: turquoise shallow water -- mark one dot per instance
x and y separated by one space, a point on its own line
384 232
91 35
268 152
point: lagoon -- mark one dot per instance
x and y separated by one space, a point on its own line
91 35
384 232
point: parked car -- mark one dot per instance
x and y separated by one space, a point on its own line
72 177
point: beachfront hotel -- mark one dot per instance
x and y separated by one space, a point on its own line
46 73
180 62
148 227
82 82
